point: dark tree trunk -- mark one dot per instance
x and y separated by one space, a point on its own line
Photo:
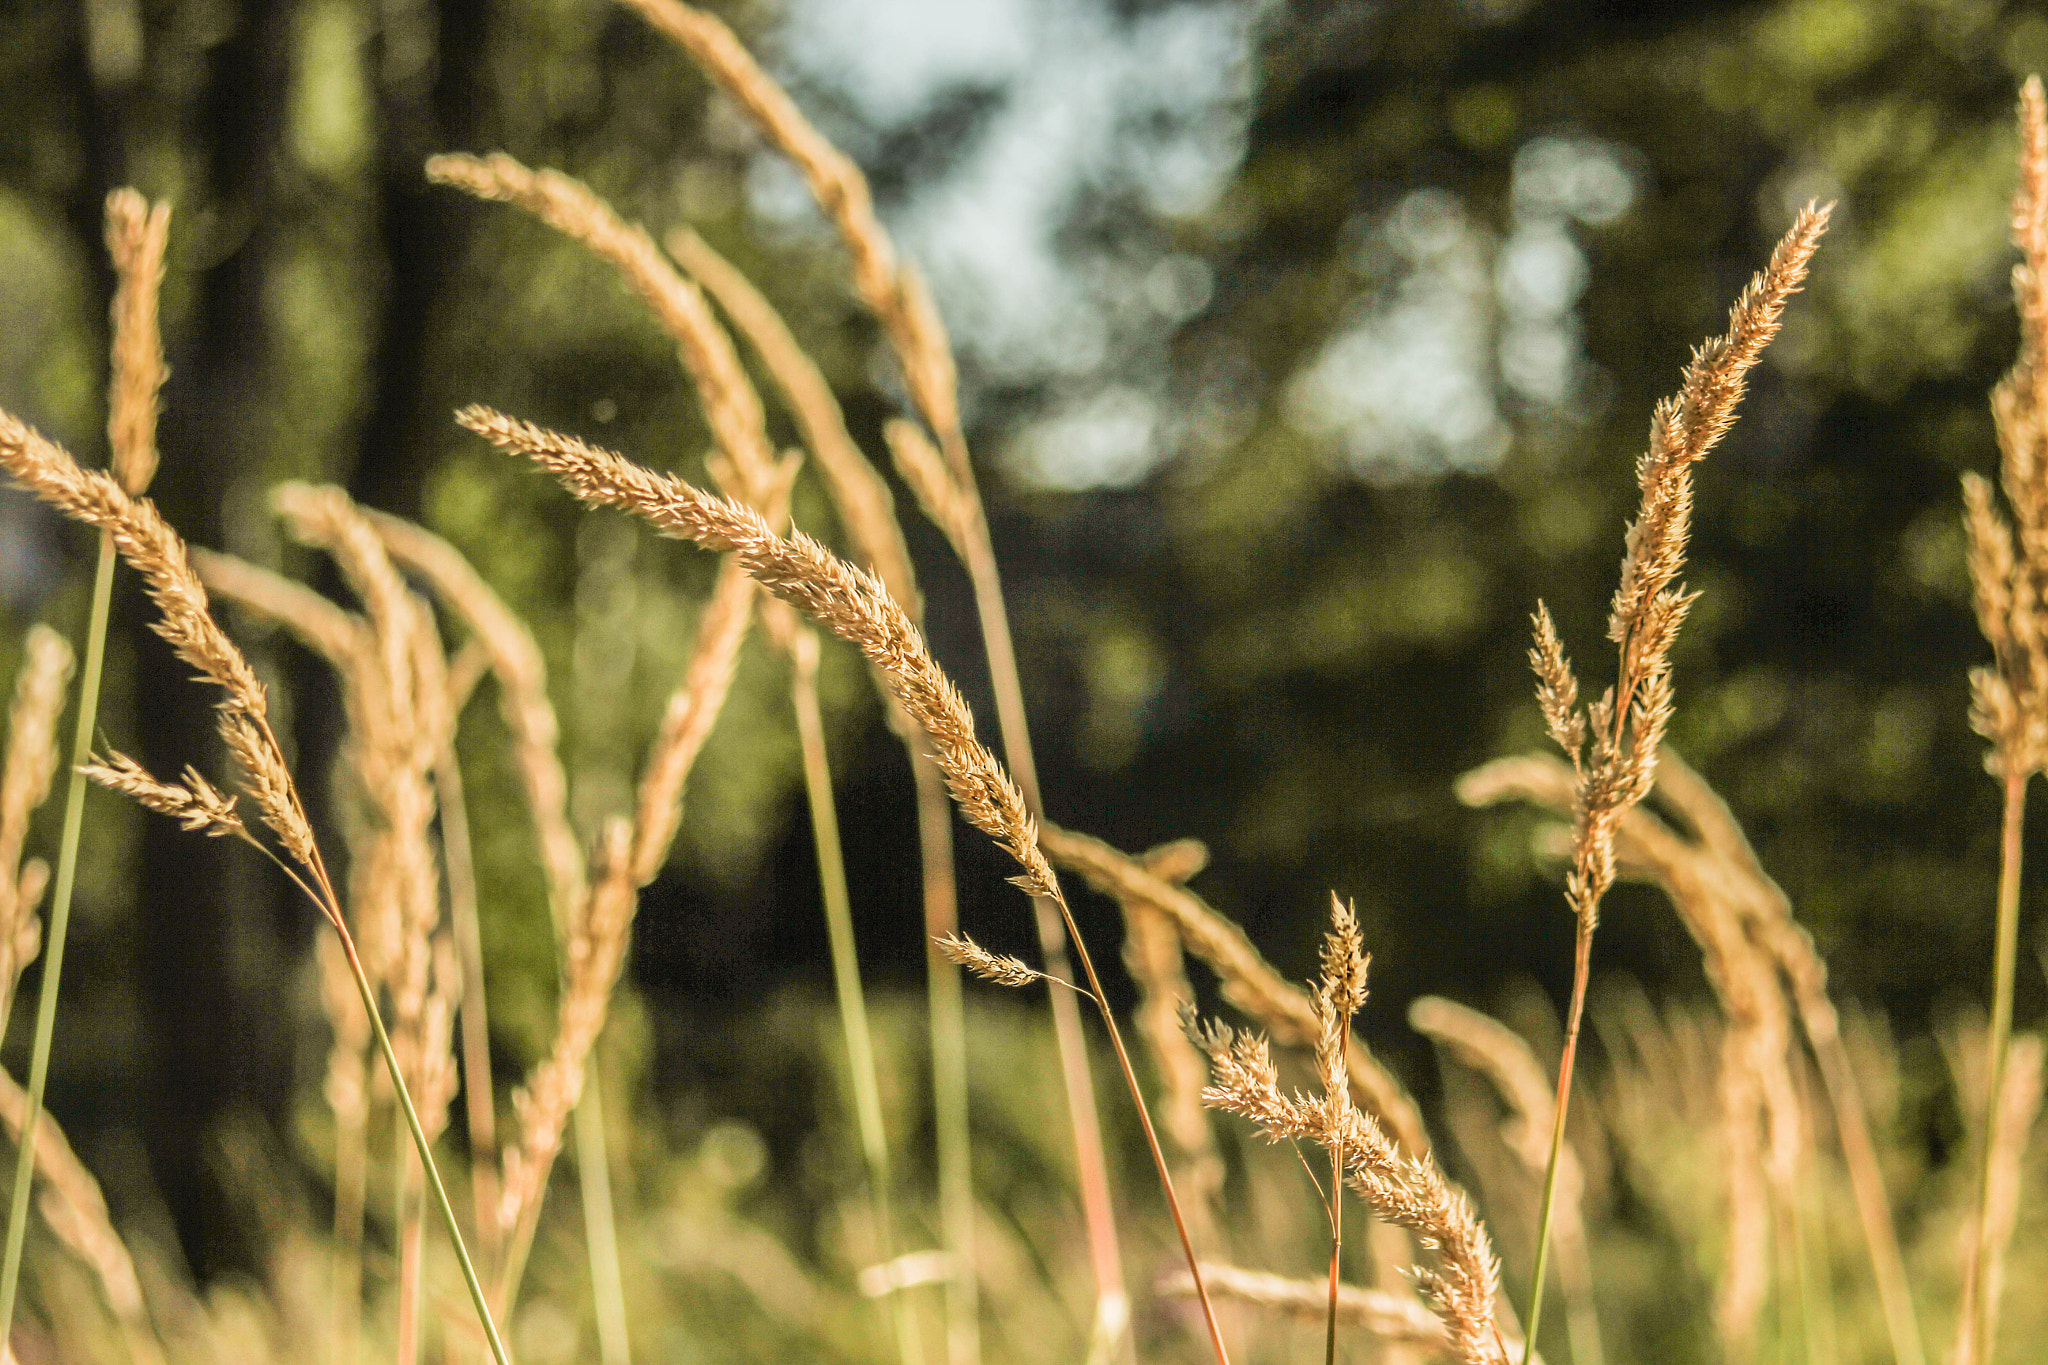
214 987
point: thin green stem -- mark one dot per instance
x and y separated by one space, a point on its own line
1979 1313
853 1011
478 1092
329 905
426 1154
948 1026
1582 966
60 923
601 1229
1336 1213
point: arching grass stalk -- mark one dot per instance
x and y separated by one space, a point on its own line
801 644
60 923
856 607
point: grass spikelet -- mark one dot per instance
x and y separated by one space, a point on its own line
1000 968
194 803
137 235
1408 1191
731 406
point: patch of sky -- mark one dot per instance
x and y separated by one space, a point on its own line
1095 103
1436 356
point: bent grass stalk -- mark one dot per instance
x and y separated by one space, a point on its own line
855 606
159 554
1613 742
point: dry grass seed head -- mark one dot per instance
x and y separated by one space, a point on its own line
731 407
1000 968
137 235
1250 983
158 554
195 804
866 507
891 290
2008 572
853 604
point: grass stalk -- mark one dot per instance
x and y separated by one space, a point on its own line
600 1223
853 1010
474 1019
1091 1164
948 1025
60 923
1979 1313
425 1150
1336 1219
412 1246
1582 967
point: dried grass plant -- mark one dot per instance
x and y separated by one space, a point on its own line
137 236
159 555
896 294
855 606
1612 743
1762 964
1408 1190
2009 701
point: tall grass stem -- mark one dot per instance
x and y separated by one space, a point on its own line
853 1009
600 1223
1978 1312
425 1150
1091 1163
60 923
1582 967
948 1026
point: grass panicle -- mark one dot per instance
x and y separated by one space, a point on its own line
855 606
1612 743
134 527
2009 701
